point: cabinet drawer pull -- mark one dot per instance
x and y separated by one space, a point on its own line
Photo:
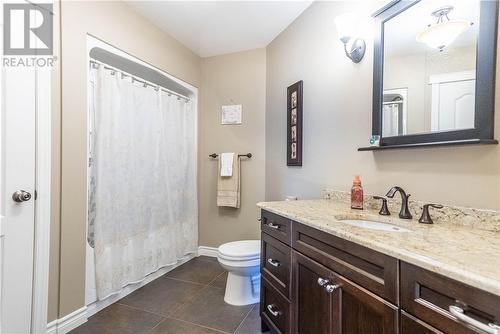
270 308
322 281
459 314
332 287
274 226
273 262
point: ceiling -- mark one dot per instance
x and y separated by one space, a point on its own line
211 28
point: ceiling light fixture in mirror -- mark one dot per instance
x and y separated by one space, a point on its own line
444 31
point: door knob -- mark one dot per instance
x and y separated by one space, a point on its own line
21 196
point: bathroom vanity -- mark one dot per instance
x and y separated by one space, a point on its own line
321 275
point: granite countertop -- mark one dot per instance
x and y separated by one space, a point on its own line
466 254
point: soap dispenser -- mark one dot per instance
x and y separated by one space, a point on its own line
357 194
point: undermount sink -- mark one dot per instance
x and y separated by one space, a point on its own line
373 225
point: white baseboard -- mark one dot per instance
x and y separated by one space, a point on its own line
68 322
208 251
52 327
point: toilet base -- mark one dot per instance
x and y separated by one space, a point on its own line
242 290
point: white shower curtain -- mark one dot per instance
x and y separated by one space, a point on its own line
142 196
390 117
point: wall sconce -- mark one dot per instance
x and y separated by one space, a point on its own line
347 28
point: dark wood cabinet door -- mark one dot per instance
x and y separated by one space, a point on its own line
313 305
412 325
345 309
362 312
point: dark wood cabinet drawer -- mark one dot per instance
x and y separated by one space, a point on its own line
412 325
428 296
372 270
274 308
276 226
275 263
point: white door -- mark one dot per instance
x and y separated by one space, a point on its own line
453 101
17 174
456 105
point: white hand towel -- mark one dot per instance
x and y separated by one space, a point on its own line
226 164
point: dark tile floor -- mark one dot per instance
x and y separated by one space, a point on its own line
186 300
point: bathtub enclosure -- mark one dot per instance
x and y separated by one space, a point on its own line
142 192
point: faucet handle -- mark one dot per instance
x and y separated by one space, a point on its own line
384 211
426 217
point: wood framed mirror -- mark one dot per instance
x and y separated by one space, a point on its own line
434 73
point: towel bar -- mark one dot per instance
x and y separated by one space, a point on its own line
248 155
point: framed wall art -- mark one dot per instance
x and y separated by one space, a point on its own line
294 124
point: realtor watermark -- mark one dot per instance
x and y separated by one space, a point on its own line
28 35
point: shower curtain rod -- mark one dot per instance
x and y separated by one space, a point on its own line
135 78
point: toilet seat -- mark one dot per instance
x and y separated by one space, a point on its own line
243 250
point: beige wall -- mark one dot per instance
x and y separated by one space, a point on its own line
117 24
238 78
337 120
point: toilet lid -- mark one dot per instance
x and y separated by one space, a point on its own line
241 249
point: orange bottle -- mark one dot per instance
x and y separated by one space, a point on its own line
357 194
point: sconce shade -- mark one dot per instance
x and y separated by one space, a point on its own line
347 26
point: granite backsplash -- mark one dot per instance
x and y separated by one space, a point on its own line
476 218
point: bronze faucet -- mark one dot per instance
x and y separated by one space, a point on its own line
404 213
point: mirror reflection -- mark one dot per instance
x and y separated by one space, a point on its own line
430 68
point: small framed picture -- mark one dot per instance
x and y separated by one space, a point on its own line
231 114
294 116
294 124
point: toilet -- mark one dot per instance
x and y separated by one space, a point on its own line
241 259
